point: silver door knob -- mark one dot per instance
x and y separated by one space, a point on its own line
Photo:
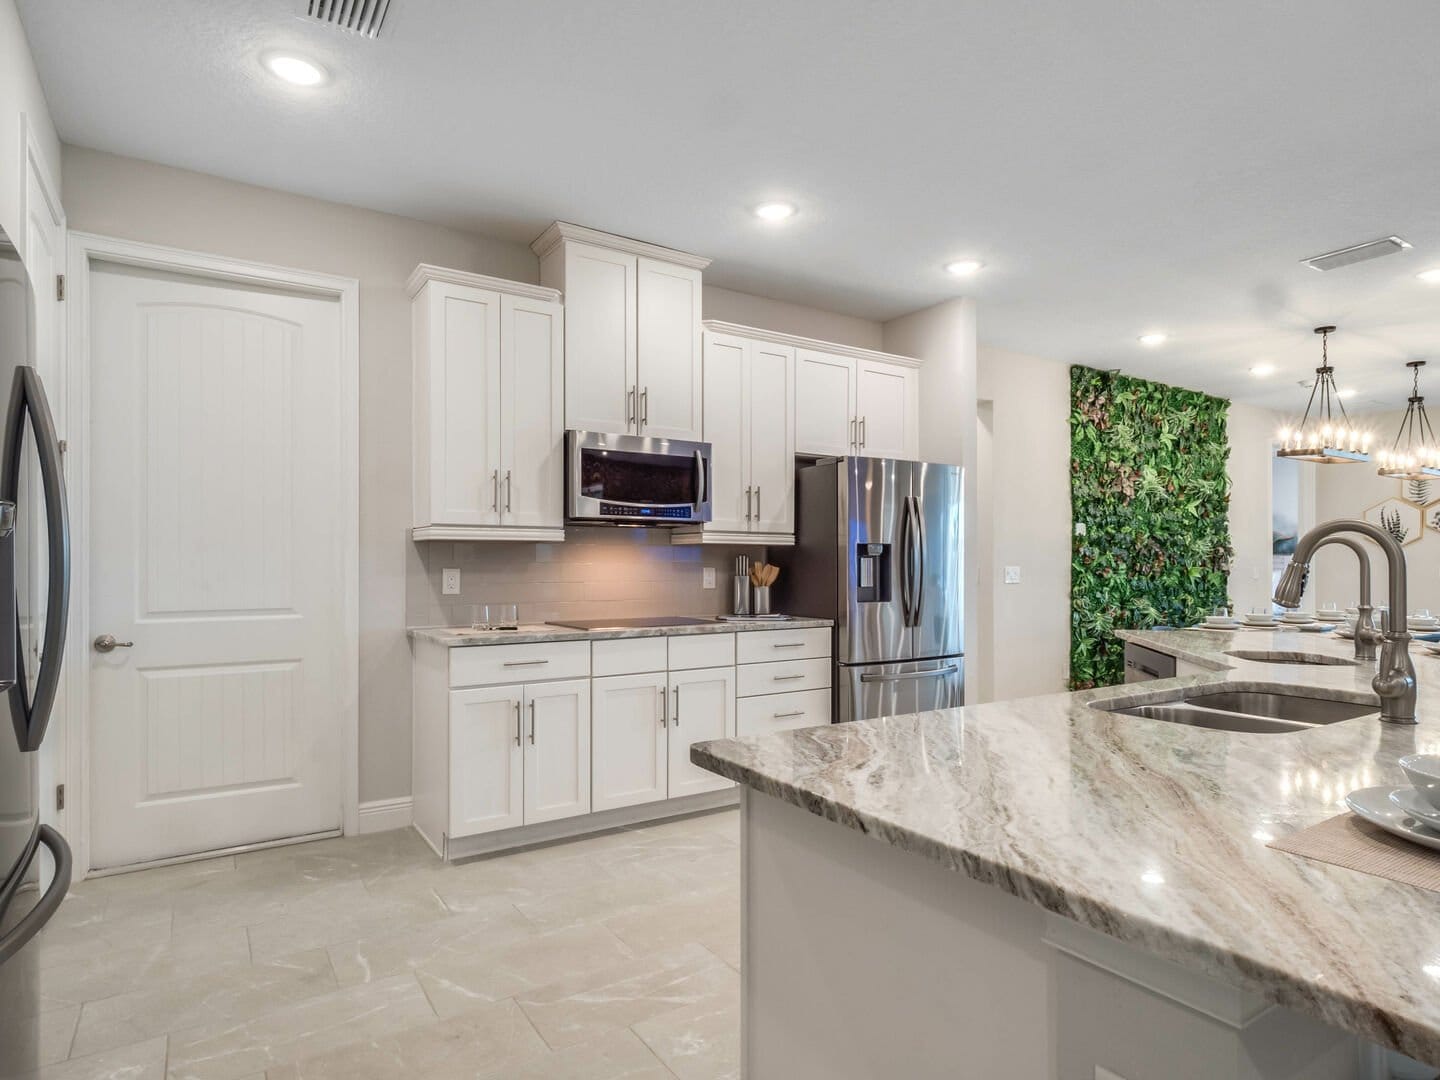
107 643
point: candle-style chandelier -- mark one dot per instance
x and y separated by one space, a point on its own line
1321 436
1415 454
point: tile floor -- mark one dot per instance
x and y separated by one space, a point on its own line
613 956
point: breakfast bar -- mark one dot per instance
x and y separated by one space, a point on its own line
1047 888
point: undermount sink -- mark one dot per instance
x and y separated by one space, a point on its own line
1257 712
1265 657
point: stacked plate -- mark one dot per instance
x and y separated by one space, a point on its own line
1220 622
1423 623
1261 619
1297 618
1411 812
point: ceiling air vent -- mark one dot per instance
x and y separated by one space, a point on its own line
357 16
1373 249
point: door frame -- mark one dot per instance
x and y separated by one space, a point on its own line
83 251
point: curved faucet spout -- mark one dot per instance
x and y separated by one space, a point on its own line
1366 636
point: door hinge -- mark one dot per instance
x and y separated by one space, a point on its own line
59 286
59 796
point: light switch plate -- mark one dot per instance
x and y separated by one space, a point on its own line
450 582
1012 575
707 578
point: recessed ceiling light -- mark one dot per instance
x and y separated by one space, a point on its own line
295 70
775 211
964 267
1153 339
1430 277
1262 371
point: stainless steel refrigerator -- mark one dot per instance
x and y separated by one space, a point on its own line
879 548
34 595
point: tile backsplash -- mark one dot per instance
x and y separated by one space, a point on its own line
597 572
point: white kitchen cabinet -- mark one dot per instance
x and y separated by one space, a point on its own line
633 360
629 739
702 707
825 422
750 425
486 760
856 402
887 401
488 409
557 750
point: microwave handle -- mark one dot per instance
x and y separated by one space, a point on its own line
702 481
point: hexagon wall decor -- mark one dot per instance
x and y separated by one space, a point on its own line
1422 493
1403 520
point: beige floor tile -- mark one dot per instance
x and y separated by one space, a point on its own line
711 918
119 969
235 993
440 942
92 939
597 900
579 1009
318 924
700 1041
457 982
497 1036
619 1055
47 1034
320 1025
142 1061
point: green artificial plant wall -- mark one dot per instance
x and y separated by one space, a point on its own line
1149 495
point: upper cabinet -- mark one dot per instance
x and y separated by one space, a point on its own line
633 359
488 403
856 402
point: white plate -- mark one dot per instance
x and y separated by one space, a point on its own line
1374 805
1433 650
1414 804
1348 635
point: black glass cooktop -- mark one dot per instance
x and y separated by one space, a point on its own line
632 624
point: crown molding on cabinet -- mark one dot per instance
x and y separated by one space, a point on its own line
777 338
426 272
564 230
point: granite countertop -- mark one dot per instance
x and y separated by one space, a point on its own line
1151 832
530 633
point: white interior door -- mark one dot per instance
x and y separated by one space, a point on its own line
557 750
668 340
702 707
824 404
770 435
627 732
487 776
217 519
532 419
725 432
884 394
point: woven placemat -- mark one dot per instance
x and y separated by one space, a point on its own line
1352 842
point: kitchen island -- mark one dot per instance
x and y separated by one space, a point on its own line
1043 888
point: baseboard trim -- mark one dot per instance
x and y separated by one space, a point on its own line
382 815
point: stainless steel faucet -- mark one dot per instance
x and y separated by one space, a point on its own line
1394 682
1366 636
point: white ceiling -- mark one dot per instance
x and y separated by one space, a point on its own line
1119 166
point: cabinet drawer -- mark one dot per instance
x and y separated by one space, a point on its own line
781 712
482 665
782 677
628 656
757 646
701 650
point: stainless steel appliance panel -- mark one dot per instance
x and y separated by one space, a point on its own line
636 480
873 493
1145 665
937 599
866 691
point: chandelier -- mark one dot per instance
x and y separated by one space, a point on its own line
1320 436
1419 456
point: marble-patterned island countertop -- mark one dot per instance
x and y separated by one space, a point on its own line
531 633
1151 832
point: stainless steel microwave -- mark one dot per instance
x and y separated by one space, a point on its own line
635 480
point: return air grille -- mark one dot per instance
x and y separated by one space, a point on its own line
358 16
1373 249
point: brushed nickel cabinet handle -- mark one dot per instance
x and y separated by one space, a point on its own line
787 715
517 722
757 502
664 707
495 490
747 503
677 706
507 491
645 406
523 663
862 431
532 723
629 406
788 645
854 421
787 678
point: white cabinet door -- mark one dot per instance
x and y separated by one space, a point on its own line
486 773
725 431
702 706
462 351
770 436
670 365
557 750
628 716
888 402
532 387
600 352
824 404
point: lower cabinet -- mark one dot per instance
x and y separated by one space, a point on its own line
519 755
642 729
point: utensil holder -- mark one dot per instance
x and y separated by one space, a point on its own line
762 600
742 595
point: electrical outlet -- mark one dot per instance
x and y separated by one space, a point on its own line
450 582
1012 575
707 578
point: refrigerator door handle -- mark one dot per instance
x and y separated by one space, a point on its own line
40 914
27 400
903 556
907 676
918 538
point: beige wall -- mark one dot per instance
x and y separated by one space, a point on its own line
20 95
1026 493
737 307
1251 431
